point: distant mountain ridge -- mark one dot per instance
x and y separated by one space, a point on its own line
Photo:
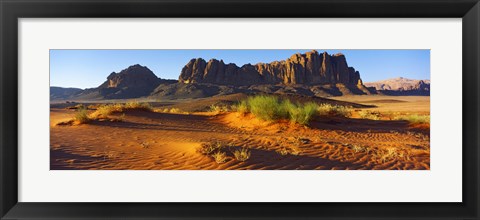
63 93
401 85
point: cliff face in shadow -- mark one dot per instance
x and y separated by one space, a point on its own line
311 68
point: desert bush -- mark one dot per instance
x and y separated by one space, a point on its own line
334 110
415 119
82 116
242 154
220 157
271 108
267 108
371 115
302 114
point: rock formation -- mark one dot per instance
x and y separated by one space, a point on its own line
133 82
134 76
311 68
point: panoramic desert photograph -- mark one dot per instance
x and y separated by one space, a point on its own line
308 109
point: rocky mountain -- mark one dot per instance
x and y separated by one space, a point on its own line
311 68
133 82
401 86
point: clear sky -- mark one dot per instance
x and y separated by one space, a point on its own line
90 68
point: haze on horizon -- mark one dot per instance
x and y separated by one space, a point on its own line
89 68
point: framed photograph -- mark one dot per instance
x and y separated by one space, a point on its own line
252 110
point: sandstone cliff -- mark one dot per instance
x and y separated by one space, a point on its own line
311 68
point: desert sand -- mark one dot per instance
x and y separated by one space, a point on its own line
170 141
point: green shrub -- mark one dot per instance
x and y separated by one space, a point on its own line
303 114
271 108
267 108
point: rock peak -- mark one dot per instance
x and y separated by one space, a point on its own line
133 76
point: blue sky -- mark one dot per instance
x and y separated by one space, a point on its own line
90 68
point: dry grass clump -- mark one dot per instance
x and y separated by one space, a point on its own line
211 148
217 109
106 110
390 154
334 110
415 119
138 106
371 115
171 110
360 149
220 157
241 107
383 155
82 117
220 152
242 154
284 151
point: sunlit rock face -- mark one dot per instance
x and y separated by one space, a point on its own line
311 68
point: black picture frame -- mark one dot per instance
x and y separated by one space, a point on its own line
12 10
